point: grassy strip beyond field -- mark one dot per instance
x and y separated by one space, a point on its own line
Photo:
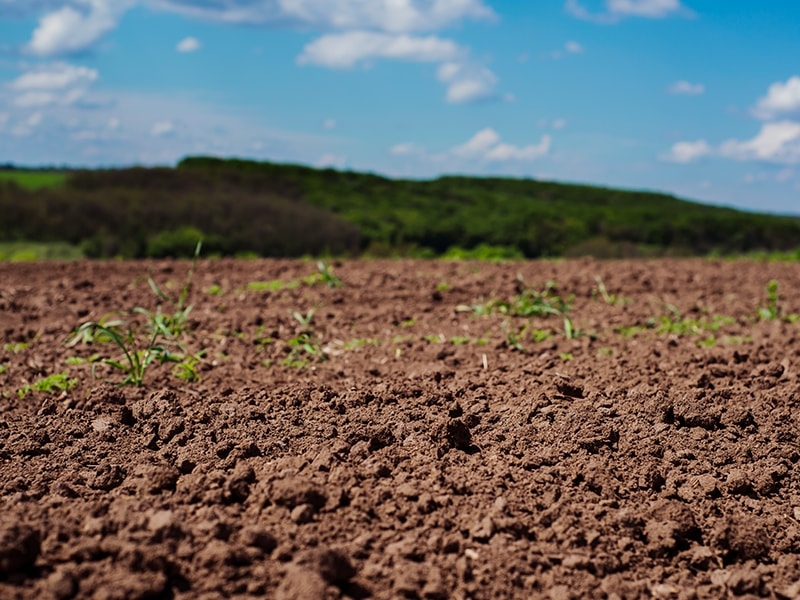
34 180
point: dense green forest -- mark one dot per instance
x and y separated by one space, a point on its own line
246 207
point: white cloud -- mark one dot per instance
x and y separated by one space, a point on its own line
467 82
345 50
396 16
487 145
189 44
686 152
69 30
558 123
686 88
329 124
162 128
776 143
479 144
616 10
781 99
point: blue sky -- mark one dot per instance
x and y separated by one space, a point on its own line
692 97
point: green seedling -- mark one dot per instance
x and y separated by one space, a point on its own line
58 382
605 352
360 343
540 335
214 290
3 369
305 346
459 340
529 303
323 275
186 370
676 324
16 347
514 338
79 360
566 356
773 310
275 285
434 339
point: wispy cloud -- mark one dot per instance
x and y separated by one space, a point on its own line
55 83
617 10
685 88
380 15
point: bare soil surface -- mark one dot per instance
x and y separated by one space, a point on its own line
414 438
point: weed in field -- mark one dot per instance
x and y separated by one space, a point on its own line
3 369
605 352
135 359
631 330
214 290
610 299
676 324
173 324
323 275
157 341
529 303
274 285
58 382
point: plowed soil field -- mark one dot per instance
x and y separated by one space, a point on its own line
430 430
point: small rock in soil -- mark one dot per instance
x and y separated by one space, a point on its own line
20 545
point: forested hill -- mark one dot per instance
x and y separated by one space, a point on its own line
247 207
